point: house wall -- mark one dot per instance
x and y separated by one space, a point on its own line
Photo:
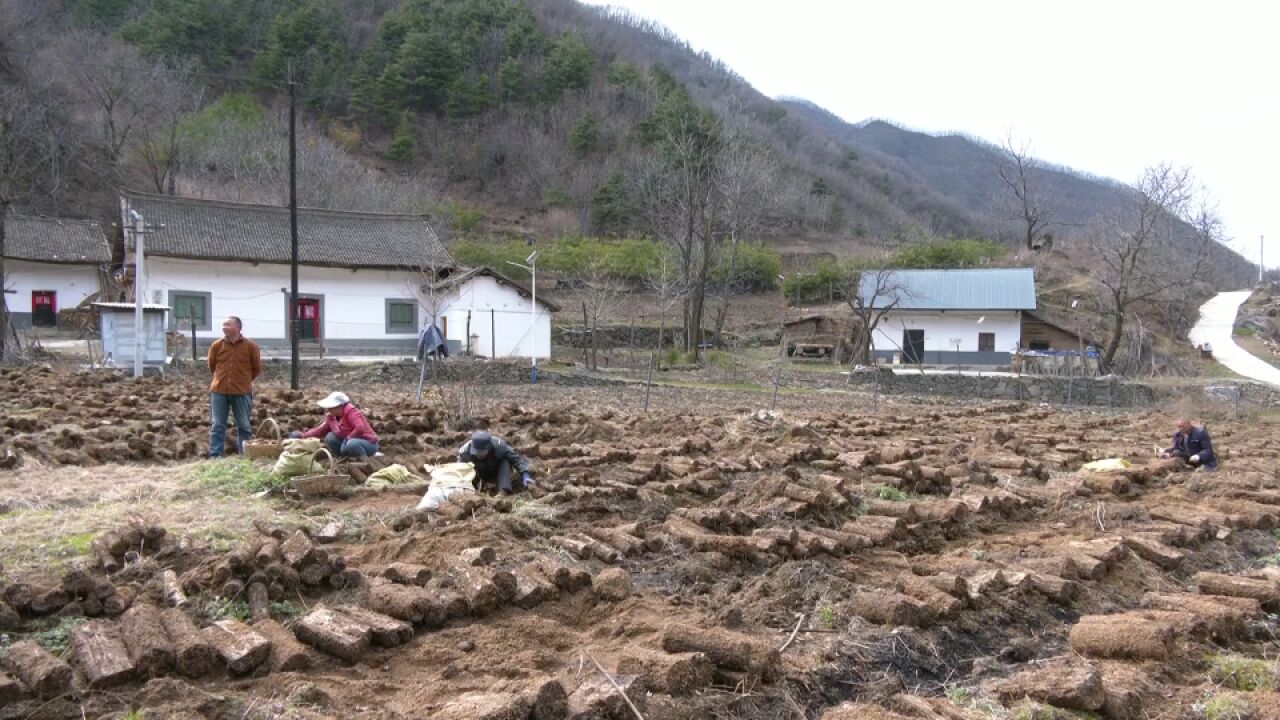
940 331
353 302
510 319
72 283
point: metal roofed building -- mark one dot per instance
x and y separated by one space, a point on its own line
51 264
949 317
359 275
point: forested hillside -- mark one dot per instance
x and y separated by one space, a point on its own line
524 118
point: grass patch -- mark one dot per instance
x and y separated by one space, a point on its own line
220 538
1225 706
233 476
220 608
1241 673
68 546
889 492
1273 559
966 697
827 617
959 695
285 610
55 636
51 554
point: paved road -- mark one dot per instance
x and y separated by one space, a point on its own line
1217 318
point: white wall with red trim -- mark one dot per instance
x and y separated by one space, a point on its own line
70 283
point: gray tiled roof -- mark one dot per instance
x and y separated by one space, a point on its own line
216 230
56 240
460 278
990 289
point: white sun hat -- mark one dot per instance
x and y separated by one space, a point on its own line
334 400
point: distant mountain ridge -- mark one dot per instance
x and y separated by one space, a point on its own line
520 115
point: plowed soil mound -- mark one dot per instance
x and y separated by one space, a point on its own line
930 561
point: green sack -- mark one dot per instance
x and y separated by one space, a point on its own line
391 475
298 458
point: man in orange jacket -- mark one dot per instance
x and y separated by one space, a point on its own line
235 362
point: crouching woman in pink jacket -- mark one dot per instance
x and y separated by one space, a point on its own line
345 429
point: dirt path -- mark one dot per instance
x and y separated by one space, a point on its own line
1216 325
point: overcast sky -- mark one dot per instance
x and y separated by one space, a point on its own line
1104 87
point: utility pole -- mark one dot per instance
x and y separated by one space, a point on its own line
139 293
140 232
1261 267
294 324
4 302
532 267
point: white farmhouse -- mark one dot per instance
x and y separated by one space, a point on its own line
359 275
368 283
491 314
51 264
944 317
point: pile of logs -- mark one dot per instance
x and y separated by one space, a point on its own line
276 564
115 548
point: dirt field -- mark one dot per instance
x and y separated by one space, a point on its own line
707 560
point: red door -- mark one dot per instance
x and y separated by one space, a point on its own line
308 317
44 308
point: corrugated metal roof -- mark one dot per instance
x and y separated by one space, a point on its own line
216 230
987 289
54 240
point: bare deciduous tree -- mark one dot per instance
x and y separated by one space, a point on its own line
680 194
870 294
599 291
162 148
108 82
29 162
1027 201
747 175
666 283
1146 248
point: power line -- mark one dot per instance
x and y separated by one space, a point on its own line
46 58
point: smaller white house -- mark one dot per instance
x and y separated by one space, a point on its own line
946 317
482 310
51 264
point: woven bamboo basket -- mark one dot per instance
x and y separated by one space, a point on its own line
329 483
260 449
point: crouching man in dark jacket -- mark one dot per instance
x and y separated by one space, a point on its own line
1193 445
495 462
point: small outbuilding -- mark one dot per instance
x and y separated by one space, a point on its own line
51 264
118 338
816 336
482 312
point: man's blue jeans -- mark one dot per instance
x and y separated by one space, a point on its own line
240 406
350 447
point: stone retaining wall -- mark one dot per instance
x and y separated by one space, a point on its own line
1110 391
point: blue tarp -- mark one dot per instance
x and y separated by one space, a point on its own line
1089 352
